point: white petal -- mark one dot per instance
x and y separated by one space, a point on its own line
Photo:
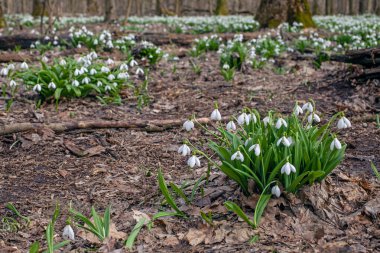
332 145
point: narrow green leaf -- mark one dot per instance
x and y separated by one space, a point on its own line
135 231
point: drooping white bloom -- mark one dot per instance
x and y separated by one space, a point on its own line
107 88
114 84
109 61
193 161
314 117
287 168
99 83
11 66
104 69
37 87
45 59
247 141
184 150
139 71
76 72
298 110
62 62
243 119
12 83
238 156
308 106
226 66
215 115
68 233
266 120
86 80
24 65
276 191
83 70
52 85
188 125
93 72
133 63
335 144
111 77
123 67
257 149
281 122
4 71
252 117
231 126
123 75
285 141
75 83
343 123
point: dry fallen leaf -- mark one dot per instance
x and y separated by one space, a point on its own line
195 236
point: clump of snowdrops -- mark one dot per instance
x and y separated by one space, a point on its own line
205 44
278 152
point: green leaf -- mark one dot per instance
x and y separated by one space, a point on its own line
166 193
35 247
231 206
57 93
107 222
179 192
377 173
135 231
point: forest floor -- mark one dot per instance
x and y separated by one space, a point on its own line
40 168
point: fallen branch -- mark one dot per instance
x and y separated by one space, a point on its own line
144 125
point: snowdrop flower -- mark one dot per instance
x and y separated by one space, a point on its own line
343 123
114 84
335 144
215 115
122 75
86 80
231 126
188 125
314 117
105 69
281 122
139 71
62 62
193 160
83 70
109 61
298 110
52 85
226 66
107 88
4 71
238 156
111 77
77 72
257 149
243 118
247 141
287 168
184 150
252 117
133 63
93 72
285 141
11 66
45 59
12 84
123 67
75 83
24 65
68 233
276 191
308 107
99 84
266 120
37 87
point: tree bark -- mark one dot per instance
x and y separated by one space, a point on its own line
178 7
38 8
221 7
128 13
3 23
272 13
110 11
92 7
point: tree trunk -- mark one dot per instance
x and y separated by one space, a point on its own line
110 11
128 13
221 7
158 8
38 8
92 7
272 13
178 7
3 23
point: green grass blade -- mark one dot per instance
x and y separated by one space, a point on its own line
166 193
377 173
231 206
179 192
135 231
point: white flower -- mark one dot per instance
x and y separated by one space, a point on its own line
45 59
139 71
12 84
51 85
193 160
257 149
62 62
215 115
247 141
287 168
122 75
243 118
111 77
308 106
133 63
99 83
37 87
75 83
107 88
298 110
335 144
285 141
184 150
281 122
266 120
238 156
114 84
226 66
24 65
77 72
105 69
68 233
109 61
231 126
4 71
123 67
252 117
93 72
343 123
86 80
11 66
188 125
314 117
276 191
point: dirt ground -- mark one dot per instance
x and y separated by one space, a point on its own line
38 169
